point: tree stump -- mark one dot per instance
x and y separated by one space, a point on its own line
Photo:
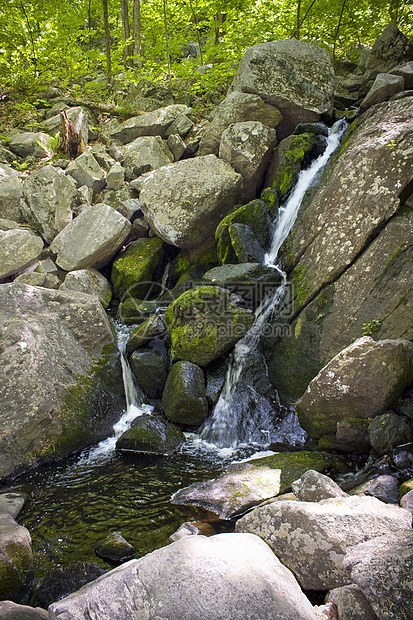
70 142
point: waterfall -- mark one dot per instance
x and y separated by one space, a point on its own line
135 405
228 426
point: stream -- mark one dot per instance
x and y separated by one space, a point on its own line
75 503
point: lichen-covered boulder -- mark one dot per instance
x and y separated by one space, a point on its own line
382 568
295 76
18 249
151 434
184 398
145 154
351 603
184 202
314 486
49 197
10 194
59 377
88 281
16 561
36 144
223 576
254 215
150 124
137 267
91 239
237 107
242 486
204 323
321 533
360 382
248 147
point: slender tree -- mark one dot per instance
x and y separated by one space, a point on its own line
137 33
107 43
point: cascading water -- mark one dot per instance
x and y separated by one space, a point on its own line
228 427
135 405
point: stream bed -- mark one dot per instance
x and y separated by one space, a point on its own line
76 503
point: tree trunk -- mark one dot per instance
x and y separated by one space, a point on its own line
298 19
168 56
70 142
137 42
219 18
125 30
107 43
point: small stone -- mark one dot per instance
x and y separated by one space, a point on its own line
114 548
115 177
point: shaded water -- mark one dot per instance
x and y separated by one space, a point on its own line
78 502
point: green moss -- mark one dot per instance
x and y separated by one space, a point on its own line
201 324
89 408
16 572
405 487
256 216
136 268
294 464
287 173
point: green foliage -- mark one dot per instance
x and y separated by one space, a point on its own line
371 328
42 41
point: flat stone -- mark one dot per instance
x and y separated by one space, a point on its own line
150 124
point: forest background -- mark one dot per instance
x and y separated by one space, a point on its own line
96 46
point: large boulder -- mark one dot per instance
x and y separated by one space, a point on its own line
321 533
391 48
296 77
60 379
242 486
215 578
184 398
150 124
35 144
382 568
204 323
49 197
88 281
237 107
18 249
248 147
16 561
351 251
91 239
151 434
145 154
14 611
185 201
360 382
10 194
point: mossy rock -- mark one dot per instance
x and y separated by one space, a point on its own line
16 562
152 327
405 487
151 434
294 464
136 311
204 257
204 323
137 267
184 398
293 154
256 216
114 548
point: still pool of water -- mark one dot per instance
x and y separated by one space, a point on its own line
78 502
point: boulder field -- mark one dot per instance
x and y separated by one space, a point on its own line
164 224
